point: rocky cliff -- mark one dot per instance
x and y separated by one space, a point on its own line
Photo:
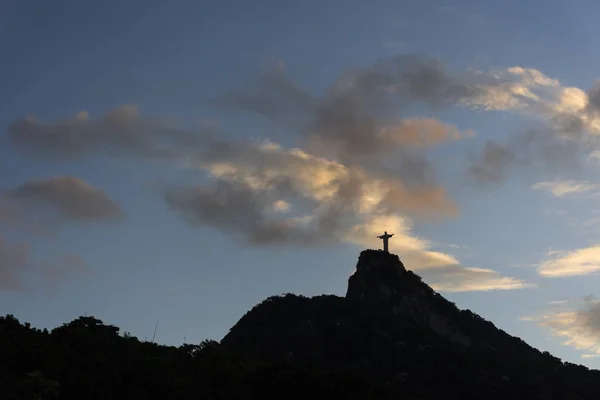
381 279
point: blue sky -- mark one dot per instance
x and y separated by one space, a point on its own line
128 237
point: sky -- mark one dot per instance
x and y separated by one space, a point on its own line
175 163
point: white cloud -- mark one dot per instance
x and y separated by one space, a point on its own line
565 187
281 206
586 356
582 261
555 212
414 251
594 156
442 271
577 321
530 91
477 279
558 302
592 222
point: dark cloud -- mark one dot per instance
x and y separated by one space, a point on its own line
70 197
594 98
356 120
361 118
544 150
120 132
273 96
591 311
17 264
251 177
54 272
236 209
14 261
492 164
7 213
66 198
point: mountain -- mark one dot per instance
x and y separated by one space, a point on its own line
398 331
390 337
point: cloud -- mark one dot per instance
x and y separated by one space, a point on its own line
361 119
7 213
570 121
56 271
363 156
14 259
353 119
563 188
17 264
442 271
577 262
529 91
371 94
382 87
237 209
456 278
358 120
280 206
394 44
569 127
594 98
326 203
492 164
591 223
420 132
577 321
587 356
25 207
297 172
68 196
416 252
594 156
122 131
335 192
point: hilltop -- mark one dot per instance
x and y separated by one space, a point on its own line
390 337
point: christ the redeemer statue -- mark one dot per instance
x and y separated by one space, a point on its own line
385 238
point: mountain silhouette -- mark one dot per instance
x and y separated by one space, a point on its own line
390 337
395 302
396 329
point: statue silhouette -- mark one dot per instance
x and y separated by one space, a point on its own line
386 237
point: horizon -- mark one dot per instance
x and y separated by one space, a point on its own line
182 162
